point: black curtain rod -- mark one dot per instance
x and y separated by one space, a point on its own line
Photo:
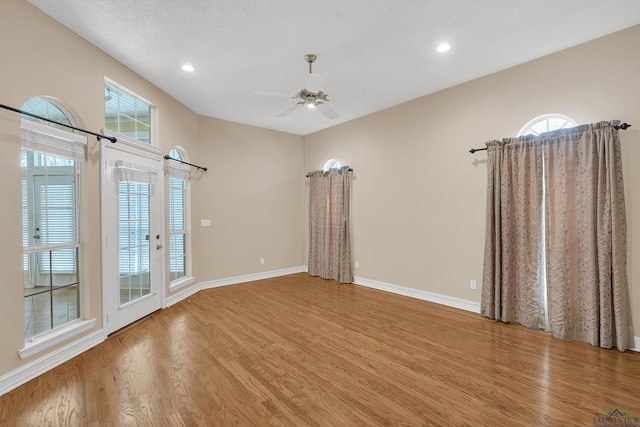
348 170
168 157
99 135
623 126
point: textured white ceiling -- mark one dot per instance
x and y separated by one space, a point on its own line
249 54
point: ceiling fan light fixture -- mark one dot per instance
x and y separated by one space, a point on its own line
312 96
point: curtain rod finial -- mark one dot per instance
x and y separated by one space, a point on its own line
473 150
113 139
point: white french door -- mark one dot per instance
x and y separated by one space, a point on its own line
132 224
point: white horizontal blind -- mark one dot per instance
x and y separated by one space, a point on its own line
133 173
179 172
49 222
57 223
177 228
45 139
133 228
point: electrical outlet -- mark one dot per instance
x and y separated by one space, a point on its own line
357 264
261 260
472 284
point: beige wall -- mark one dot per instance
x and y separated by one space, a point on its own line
253 195
252 192
419 196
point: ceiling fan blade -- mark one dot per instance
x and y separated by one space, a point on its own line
315 82
287 110
327 111
266 93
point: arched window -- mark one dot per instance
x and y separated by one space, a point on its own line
50 158
179 258
44 107
547 123
332 164
176 153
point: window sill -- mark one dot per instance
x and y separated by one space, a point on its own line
180 283
54 337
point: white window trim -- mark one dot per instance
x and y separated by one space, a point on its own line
46 340
180 283
126 140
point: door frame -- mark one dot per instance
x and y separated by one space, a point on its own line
128 146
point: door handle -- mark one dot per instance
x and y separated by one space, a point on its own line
159 247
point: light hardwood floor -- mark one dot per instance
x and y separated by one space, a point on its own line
302 351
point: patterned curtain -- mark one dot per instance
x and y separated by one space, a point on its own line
513 278
555 249
330 225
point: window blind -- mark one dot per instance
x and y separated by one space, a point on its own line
133 173
179 172
46 139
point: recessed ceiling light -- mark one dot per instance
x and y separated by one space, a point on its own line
443 47
188 68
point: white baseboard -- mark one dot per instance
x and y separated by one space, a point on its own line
45 363
251 277
210 284
437 298
184 294
423 295
56 336
180 283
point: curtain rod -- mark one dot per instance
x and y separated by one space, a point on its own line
348 170
623 126
99 135
168 157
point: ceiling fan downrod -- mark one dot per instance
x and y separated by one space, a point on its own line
310 58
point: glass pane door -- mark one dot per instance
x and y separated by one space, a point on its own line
134 241
132 224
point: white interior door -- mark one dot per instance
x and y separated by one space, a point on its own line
132 247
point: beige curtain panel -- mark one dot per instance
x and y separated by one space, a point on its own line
330 225
555 249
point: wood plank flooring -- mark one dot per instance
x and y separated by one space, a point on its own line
302 351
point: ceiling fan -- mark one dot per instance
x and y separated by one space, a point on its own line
312 96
